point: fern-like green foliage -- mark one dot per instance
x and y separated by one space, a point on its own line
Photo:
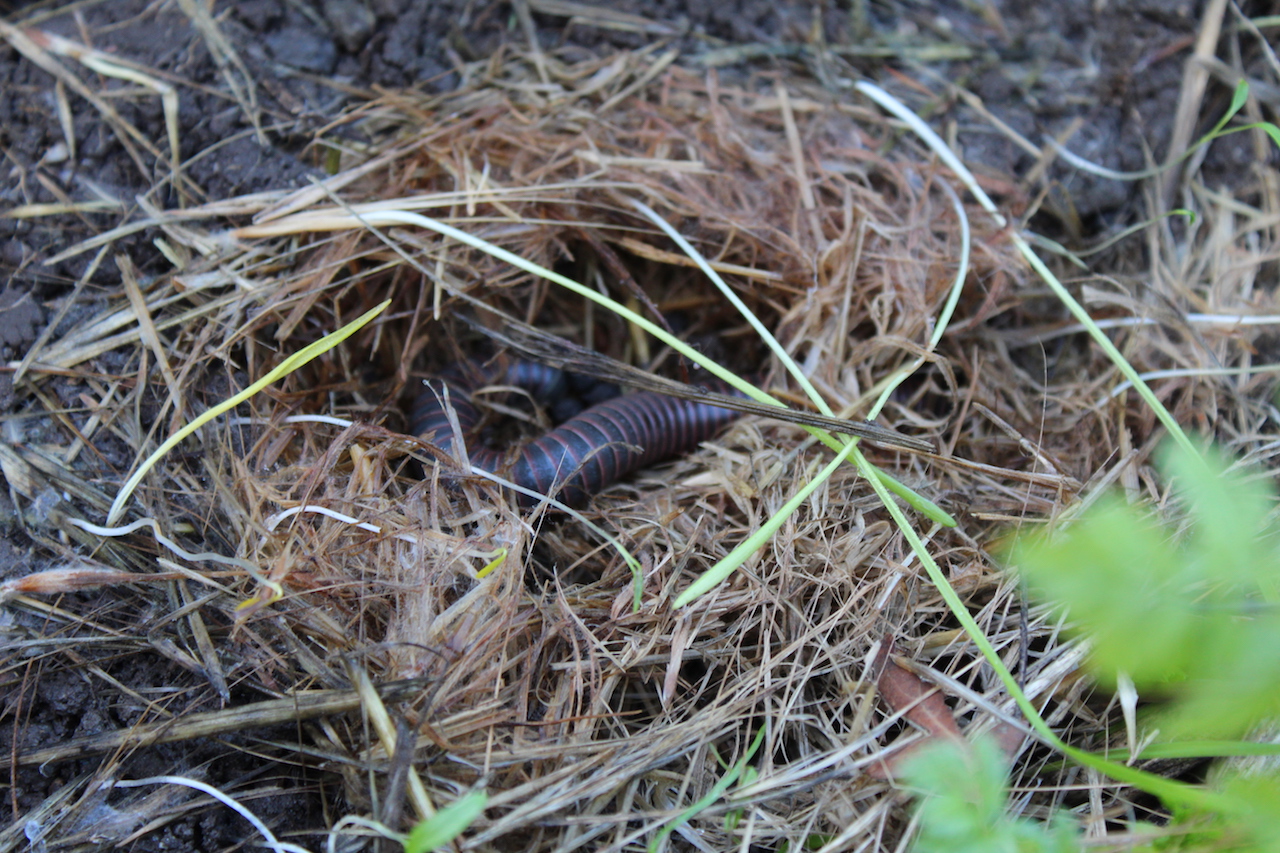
962 805
1189 611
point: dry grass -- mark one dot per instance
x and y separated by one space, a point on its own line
592 725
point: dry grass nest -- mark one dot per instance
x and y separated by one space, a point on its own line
327 578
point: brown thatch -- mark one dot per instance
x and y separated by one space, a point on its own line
335 567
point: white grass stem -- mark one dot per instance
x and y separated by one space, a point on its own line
271 841
948 157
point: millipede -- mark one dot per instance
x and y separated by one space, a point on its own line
587 452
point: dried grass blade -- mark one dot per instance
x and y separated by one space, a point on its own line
287 366
376 710
225 56
147 328
566 355
269 839
713 577
653 253
917 501
72 579
655 68
939 147
37 211
34 43
303 705
1195 78
603 16
35 349
29 44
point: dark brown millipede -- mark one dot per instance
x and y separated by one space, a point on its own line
587 452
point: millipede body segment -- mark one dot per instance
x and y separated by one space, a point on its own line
584 454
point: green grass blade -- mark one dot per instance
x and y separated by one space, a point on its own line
716 792
732 298
284 368
721 570
1209 749
940 148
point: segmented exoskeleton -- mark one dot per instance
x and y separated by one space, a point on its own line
585 453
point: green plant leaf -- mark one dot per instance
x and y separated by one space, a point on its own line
446 824
1192 621
1116 573
1256 829
1271 130
1229 510
1238 98
962 805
